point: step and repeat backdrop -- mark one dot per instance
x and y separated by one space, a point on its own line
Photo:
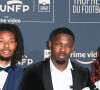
37 18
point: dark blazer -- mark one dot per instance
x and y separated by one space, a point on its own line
38 77
14 78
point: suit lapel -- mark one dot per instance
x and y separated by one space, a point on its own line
76 81
76 78
10 81
47 76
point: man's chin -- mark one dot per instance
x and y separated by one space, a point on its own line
61 62
4 58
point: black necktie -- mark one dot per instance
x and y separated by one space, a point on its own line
5 69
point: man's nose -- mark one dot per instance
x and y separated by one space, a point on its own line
63 48
6 44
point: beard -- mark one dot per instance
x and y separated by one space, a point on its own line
5 58
60 62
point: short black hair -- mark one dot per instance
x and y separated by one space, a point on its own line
19 52
62 30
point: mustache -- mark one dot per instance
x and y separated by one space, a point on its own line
62 53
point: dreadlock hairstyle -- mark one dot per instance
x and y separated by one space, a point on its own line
62 30
19 52
96 64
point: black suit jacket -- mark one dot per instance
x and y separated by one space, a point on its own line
38 77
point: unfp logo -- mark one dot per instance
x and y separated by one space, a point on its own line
44 5
14 6
26 60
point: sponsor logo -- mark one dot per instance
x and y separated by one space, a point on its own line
26 61
16 11
14 2
47 54
44 5
80 9
91 55
82 62
14 6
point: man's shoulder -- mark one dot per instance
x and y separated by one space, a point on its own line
38 65
79 67
17 68
17 71
35 67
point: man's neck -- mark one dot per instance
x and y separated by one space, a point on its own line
4 63
60 67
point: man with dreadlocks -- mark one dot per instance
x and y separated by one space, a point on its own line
11 51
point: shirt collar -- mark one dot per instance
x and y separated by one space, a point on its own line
6 65
53 68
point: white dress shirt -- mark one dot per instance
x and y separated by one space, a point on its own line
97 84
3 76
87 88
61 80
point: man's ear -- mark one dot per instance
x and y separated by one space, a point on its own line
50 45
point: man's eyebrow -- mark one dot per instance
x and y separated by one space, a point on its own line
69 43
9 38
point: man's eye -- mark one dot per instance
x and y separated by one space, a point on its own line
58 44
1 41
11 41
68 45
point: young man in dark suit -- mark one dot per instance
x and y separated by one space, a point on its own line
11 51
58 72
